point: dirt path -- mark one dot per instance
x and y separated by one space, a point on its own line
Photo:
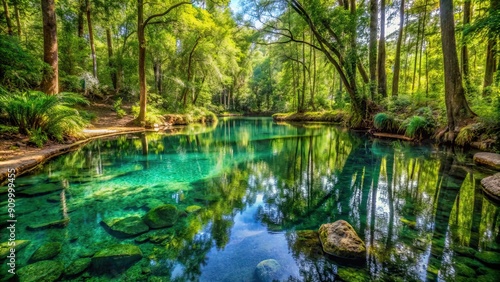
16 152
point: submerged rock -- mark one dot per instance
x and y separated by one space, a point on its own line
268 270
126 227
45 270
341 240
5 247
53 224
491 186
116 258
162 216
488 159
352 275
46 251
78 266
193 208
307 242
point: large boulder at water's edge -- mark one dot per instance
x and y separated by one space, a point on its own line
45 270
489 159
268 270
46 251
341 240
162 216
125 227
491 185
116 258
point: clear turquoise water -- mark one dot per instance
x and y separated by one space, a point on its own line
419 209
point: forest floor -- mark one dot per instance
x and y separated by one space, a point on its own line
13 146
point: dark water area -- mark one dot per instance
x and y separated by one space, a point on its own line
248 190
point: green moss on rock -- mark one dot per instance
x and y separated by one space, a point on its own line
126 227
193 208
78 266
162 216
42 271
5 247
46 251
268 270
117 257
352 275
341 240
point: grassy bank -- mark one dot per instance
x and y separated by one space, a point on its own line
336 116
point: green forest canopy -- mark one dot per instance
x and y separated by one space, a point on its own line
264 56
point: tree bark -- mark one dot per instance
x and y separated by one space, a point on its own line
372 48
18 19
142 61
7 17
382 76
50 81
397 60
190 73
81 10
457 108
111 59
91 39
464 51
490 66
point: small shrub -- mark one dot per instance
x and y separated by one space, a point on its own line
465 136
7 129
417 127
38 137
117 105
385 122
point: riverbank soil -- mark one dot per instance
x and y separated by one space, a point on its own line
106 121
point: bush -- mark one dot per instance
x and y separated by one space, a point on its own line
117 105
417 127
385 122
51 114
18 68
6 129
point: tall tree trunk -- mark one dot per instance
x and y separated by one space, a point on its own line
50 82
490 66
81 11
18 19
382 77
111 59
397 60
372 48
142 61
91 39
158 73
7 17
464 51
422 46
190 73
457 108
416 55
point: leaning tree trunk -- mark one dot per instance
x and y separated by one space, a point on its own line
457 108
50 81
7 17
397 60
382 76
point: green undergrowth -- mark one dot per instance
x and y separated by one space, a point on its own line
337 116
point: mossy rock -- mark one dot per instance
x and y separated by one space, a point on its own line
116 257
5 247
125 227
78 266
46 251
62 223
42 271
162 216
268 270
352 275
86 253
307 242
491 186
489 159
193 209
489 258
40 189
142 238
341 240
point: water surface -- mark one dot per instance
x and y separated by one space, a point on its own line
419 209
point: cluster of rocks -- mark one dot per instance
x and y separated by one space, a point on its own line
491 184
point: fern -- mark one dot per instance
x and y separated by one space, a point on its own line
51 114
385 122
417 127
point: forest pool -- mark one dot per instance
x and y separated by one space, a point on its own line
248 190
